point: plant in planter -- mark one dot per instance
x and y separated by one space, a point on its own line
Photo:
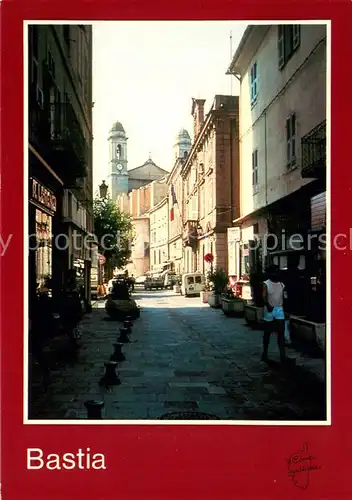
218 278
204 294
231 304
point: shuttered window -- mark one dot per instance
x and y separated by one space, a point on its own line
288 41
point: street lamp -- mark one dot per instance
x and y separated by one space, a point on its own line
103 190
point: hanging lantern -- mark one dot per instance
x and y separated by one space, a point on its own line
103 190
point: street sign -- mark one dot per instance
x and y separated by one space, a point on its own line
102 259
233 234
209 257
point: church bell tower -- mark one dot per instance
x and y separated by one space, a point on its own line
118 175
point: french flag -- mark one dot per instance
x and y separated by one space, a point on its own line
173 202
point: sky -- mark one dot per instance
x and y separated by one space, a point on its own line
145 75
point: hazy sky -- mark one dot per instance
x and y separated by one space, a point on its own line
145 74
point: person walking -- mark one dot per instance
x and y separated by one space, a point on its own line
274 315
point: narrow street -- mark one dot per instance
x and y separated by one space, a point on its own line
184 358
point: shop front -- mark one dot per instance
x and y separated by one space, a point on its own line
47 253
42 211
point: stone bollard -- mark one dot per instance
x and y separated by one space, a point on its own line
110 377
123 338
128 325
94 409
117 354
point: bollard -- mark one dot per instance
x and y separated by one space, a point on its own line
128 325
94 409
117 354
110 377
123 338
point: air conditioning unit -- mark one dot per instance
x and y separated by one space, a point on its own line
40 97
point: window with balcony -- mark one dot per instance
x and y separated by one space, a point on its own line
291 141
289 39
254 83
255 176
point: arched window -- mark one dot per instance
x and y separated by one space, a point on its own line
118 151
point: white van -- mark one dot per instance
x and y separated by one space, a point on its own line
192 284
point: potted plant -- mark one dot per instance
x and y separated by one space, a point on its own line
231 304
204 294
218 279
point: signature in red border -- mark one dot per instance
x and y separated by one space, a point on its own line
300 465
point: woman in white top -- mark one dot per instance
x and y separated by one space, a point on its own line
274 315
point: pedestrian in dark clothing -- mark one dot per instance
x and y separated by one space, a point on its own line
120 292
71 312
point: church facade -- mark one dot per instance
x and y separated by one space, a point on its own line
122 181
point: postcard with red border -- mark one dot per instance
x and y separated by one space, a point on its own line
174 240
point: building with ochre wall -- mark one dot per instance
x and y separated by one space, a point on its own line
210 180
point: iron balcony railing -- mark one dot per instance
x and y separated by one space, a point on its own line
314 152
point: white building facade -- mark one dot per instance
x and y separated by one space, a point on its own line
282 72
159 235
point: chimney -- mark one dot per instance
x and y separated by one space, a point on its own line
198 115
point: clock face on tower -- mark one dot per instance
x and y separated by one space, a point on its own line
119 167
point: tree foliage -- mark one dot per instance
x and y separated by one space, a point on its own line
113 232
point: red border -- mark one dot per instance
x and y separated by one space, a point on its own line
166 462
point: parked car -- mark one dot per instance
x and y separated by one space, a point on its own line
192 284
154 281
140 280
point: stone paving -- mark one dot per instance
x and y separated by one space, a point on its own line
183 357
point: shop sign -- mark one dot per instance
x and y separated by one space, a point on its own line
233 234
43 196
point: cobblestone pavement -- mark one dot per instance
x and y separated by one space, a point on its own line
183 357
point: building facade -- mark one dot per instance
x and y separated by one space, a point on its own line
139 203
60 153
140 254
181 149
159 235
210 183
282 70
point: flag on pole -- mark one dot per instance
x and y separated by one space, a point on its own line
173 202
